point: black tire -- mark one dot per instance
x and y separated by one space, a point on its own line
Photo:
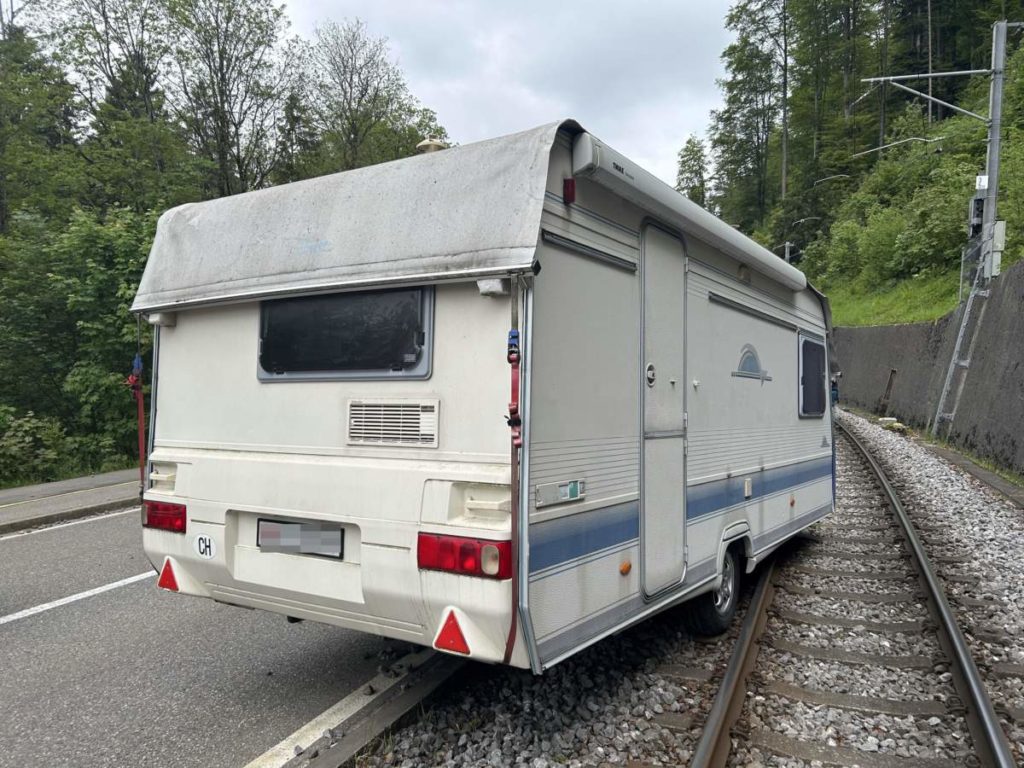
712 613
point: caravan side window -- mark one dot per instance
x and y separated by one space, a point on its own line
355 335
812 377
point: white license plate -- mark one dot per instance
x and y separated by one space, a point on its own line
306 538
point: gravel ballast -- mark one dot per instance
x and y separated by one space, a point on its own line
624 700
619 700
974 538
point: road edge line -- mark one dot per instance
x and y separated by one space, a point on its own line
68 514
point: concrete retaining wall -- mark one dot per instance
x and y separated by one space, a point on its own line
990 419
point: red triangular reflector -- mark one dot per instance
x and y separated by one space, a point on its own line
167 580
451 638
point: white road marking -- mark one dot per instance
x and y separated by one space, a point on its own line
67 493
74 598
284 751
91 519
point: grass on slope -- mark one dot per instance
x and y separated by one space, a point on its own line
69 472
911 301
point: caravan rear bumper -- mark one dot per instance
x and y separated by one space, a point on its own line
377 588
382 503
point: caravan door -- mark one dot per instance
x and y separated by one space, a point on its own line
663 484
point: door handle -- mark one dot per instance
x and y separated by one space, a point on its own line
651 375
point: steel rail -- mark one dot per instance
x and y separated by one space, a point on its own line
715 740
375 710
989 739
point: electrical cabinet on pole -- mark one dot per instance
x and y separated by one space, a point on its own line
991 236
991 241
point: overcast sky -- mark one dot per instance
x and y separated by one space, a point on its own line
638 74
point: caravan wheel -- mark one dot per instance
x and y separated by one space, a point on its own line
713 612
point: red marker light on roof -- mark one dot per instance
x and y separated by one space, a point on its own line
450 638
568 191
167 580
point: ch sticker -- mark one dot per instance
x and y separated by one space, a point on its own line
205 547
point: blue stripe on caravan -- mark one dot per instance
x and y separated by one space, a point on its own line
711 497
558 541
609 618
567 538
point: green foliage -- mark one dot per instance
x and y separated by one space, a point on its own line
99 289
906 218
740 135
67 338
104 414
235 72
98 297
798 118
918 299
30 447
298 143
38 165
37 336
139 161
692 177
173 101
363 106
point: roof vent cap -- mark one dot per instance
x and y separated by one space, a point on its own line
430 145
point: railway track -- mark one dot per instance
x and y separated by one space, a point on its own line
850 653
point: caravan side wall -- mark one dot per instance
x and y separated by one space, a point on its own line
237 449
744 416
755 470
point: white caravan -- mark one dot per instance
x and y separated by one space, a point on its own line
336 361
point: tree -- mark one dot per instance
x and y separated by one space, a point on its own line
124 108
38 165
37 336
136 161
298 142
766 24
363 93
740 134
135 153
105 259
692 176
234 75
9 16
118 49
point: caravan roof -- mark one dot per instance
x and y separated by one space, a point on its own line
470 211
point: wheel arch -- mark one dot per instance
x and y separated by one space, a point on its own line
736 536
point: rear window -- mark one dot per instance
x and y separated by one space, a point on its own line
365 334
812 377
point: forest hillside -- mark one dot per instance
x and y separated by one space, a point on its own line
112 111
793 154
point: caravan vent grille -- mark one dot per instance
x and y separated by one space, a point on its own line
393 422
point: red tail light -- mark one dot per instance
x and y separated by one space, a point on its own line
166 516
464 556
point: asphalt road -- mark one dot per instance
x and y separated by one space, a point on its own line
135 676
